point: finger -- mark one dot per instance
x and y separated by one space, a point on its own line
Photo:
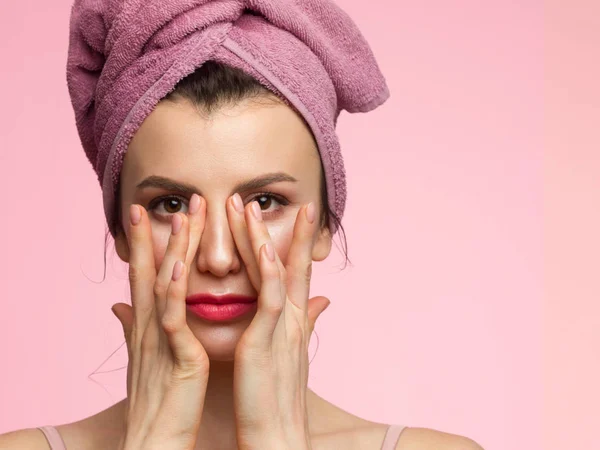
142 272
299 260
239 230
197 222
270 301
176 250
258 233
259 236
187 350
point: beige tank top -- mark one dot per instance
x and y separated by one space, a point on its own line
392 436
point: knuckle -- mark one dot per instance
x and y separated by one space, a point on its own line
182 374
274 308
173 290
190 370
136 273
302 272
309 269
159 288
170 324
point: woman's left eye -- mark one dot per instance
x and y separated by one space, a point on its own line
265 201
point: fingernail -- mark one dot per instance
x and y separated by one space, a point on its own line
194 204
270 252
256 210
310 212
177 270
135 214
237 203
176 223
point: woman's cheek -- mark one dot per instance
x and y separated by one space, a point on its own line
282 236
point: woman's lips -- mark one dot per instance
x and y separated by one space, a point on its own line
220 308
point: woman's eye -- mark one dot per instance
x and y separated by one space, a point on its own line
165 206
267 201
270 204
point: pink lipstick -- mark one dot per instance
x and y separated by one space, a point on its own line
222 307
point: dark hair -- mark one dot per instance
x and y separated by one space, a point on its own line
212 86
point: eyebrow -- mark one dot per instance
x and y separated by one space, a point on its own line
184 188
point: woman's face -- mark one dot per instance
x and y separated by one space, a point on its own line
237 144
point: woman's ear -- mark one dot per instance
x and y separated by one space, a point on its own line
122 245
322 246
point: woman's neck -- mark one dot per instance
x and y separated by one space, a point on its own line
217 428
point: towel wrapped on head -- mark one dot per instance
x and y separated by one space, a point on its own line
126 55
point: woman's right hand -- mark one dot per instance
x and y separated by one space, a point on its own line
168 367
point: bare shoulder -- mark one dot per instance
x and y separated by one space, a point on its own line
414 438
30 438
333 428
371 436
100 431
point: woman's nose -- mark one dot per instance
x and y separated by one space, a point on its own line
217 252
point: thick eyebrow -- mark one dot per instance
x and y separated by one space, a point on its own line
189 189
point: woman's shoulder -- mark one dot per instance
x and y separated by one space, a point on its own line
73 435
415 438
30 438
94 432
336 428
411 438
368 437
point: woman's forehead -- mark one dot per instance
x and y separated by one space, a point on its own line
236 141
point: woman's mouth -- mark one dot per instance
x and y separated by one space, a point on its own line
222 307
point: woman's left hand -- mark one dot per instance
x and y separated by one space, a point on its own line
271 357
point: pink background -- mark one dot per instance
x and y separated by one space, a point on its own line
458 207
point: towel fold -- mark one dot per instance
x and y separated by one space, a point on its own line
124 56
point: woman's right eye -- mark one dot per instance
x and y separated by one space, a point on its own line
171 204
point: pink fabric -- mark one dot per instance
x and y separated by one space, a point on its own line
390 441
125 55
392 436
53 437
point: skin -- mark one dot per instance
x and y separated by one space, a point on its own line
237 143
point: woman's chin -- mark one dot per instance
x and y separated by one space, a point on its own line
219 339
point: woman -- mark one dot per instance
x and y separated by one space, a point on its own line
221 206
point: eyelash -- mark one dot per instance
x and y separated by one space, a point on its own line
271 195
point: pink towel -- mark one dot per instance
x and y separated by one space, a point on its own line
125 55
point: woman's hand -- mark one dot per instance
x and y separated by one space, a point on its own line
168 367
271 358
